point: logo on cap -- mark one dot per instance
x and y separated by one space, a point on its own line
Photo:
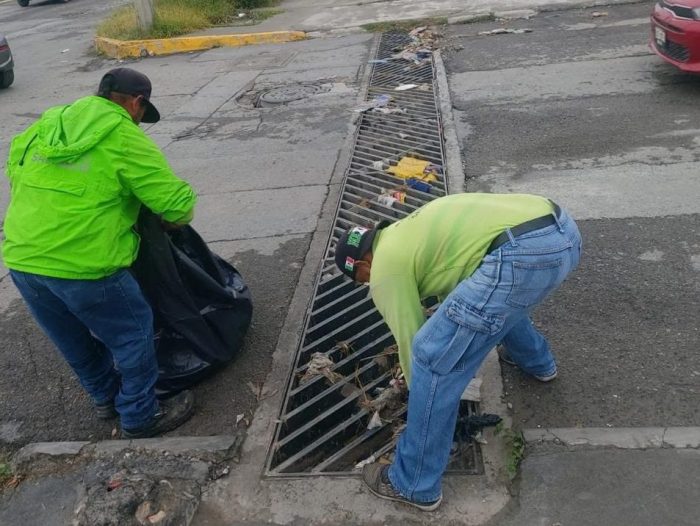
349 264
356 236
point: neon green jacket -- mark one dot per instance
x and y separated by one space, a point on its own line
78 177
430 251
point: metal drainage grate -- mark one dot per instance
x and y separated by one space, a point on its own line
323 425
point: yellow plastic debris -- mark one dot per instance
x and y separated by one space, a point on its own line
412 168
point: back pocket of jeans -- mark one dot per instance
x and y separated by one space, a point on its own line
532 282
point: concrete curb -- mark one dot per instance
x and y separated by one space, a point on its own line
453 157
621 438
121 49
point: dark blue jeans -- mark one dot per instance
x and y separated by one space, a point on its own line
491 306
99 325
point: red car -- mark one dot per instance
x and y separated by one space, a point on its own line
675 33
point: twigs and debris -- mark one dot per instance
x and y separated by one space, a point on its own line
420 49
320 365
380 104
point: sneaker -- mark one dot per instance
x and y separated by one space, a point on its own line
376 477
106 411
504 357
173 412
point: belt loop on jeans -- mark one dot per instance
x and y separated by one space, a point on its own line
528 226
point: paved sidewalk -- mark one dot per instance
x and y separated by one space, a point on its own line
347 15
567 486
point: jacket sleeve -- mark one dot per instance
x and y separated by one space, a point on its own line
148 176
396 298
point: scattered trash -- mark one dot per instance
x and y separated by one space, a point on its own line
417 31
362 463
241 15
320 365
381 100
157 517
424 87
375 421
412 168
65 50
389 398
239 418
403 135
404 87
504 31
479 438
116 481
421 186
386 200
389 110
381 104
469 426
391 197
378 165
143 512
596 14
378 61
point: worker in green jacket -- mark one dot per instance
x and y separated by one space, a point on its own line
78 177
490 259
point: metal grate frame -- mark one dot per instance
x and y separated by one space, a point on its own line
322 427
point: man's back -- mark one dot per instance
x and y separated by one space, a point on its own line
78 176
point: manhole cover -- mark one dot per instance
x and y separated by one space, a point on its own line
286 94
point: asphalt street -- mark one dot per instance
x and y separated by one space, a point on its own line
263 176
579 110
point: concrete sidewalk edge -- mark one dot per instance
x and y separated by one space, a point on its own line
121 49
39 457
622 438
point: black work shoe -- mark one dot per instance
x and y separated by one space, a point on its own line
106 411
376 476
504 357
172 413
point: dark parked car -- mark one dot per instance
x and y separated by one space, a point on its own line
7 65
25 3
675 33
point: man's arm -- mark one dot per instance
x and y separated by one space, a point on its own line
147 174
398 301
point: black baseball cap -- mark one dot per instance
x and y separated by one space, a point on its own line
353 245
130 82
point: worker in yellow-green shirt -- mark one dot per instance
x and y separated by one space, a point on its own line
490 259
79 176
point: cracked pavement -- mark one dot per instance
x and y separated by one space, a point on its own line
580 111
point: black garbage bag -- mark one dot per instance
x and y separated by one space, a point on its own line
202 307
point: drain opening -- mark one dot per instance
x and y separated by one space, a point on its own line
326 422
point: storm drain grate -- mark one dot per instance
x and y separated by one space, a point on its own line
323 423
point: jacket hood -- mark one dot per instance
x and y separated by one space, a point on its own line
67 132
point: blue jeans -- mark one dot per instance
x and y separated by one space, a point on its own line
97 324
490 306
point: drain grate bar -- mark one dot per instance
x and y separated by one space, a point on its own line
323 421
